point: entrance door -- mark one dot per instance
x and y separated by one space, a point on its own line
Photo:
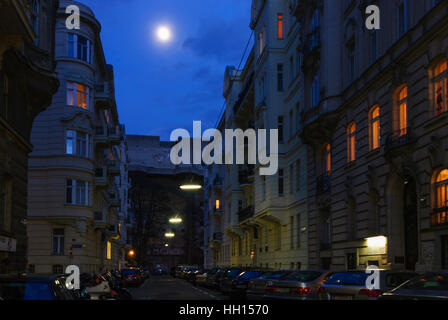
410 225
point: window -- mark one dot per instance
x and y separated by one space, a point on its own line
5 94
109 251
263 188
440 84
441 186
351 142
281 182
351 61
261 41
35 13
78 95
402 111
57 269
298 230
373 39
280 77
314 99
240 205
5 203
77 143
374 127
298 175
291 179
402 18
58 241
217 205
280 25
79 47
297 117
326 159
77 192
291 235
280 129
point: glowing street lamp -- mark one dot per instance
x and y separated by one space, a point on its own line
131 253
169 235
175 220
190 187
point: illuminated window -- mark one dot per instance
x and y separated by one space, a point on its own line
440 84
217 204
78 95
403 113
280 26
351 142
374 127
109 250
441 184
326 159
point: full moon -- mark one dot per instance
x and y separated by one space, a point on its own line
163 34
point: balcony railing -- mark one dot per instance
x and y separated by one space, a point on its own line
243 93
399 138
246 213
324 183
439 217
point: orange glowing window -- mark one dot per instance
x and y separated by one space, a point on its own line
326 159
440 84
351 142
217 204
403 111
374 127
280 26
442 189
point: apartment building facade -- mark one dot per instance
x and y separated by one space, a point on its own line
266 216
74 192
374 121
27 84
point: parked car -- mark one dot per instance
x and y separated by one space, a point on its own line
430 286
97 287
157 271
200 277
298 285
255 290
115 283
239 285
130 277
227 278
215 280
35 287
351 285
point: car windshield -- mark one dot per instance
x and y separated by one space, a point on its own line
25 291
348 279
304 276
251 274
438 282
129 271
393 280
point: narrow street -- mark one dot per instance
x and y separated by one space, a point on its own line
169 288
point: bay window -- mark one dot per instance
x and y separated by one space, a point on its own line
78 95
79 47
77 143
77 192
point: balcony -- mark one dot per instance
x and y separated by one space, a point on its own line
439 217
246 213
101 178
113 167
101 136
244 93
323 183
114 135
99 220
398 139
102 91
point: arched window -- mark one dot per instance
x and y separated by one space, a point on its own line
403 111
441 210
374 127
351 142
326 159
440 88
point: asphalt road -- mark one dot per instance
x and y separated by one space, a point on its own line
169 288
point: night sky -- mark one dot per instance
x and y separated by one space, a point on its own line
164 86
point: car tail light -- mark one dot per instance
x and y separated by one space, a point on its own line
371 293
269 289
300 291
114 293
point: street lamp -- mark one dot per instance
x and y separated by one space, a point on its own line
169 235
175 220
190 186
